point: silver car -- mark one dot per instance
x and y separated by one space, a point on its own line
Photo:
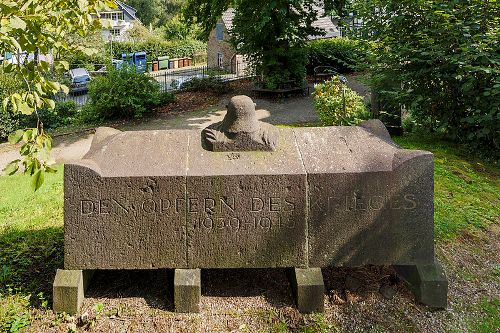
79 78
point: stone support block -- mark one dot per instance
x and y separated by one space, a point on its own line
308 289
428 283
68 290
187 290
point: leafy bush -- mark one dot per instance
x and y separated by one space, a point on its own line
121 93
444 65
329 103
346 55
63 114
205 84
167 97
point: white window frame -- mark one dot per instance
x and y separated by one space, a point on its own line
220 60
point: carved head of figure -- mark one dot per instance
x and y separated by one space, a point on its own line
241 116
240 130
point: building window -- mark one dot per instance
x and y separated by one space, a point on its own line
220 60
220 31
114 16
114 32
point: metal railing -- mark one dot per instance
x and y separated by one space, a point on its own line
174 79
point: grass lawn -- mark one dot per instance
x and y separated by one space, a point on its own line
467 206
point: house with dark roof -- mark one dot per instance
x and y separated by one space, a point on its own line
122 18
221 53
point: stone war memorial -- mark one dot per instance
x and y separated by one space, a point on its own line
244 194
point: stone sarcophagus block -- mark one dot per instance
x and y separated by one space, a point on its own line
243 194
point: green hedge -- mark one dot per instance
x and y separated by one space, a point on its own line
155 49
346 55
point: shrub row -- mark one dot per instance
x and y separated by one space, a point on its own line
155 49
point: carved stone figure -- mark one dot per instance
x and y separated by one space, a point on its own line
240 130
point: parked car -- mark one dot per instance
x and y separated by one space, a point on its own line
79 80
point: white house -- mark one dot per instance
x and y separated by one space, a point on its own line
122 18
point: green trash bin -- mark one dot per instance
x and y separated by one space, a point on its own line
163 62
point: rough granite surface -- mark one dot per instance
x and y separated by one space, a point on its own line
325 197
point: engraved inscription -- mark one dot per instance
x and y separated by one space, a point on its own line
210 214
353 203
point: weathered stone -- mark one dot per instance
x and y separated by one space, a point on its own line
244 206
428 282
68 290
125 203
369 201
337 196
187 290
308 288
240 130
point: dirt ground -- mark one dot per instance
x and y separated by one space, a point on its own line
260 300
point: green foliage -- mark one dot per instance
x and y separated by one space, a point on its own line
158 48
205 13
346 55
18 323
89 50
146 10
338 105
177 29
9 121
205 84
167 97
444 66
120 94
40 27
273 35
156 12
63 114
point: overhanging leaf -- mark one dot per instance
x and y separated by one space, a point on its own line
15 137
24 108
17 23
12 167
37 179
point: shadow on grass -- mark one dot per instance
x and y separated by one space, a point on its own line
29 260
